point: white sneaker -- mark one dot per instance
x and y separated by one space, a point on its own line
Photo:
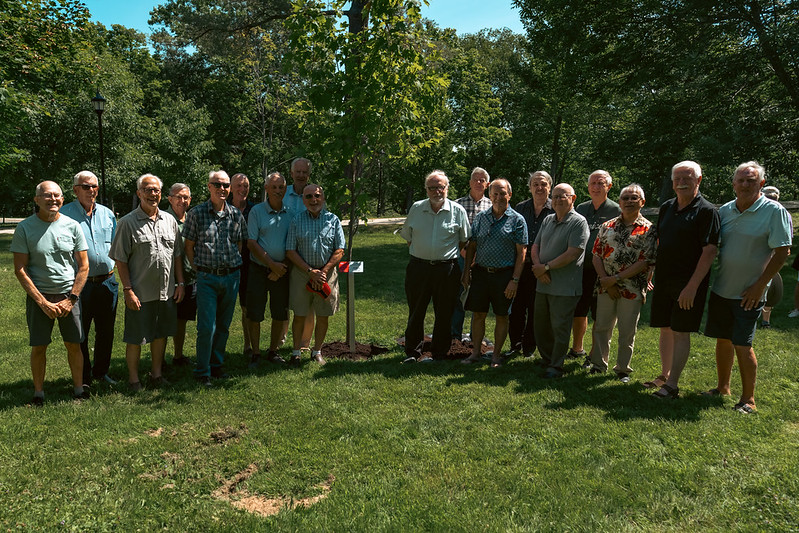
794 313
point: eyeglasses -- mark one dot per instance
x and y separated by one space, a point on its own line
151 190
316 195
50 195
631 198
219 185
180 197
561 196
437 189
87 187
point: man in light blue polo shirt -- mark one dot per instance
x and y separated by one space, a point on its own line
497 248
557 255
300 174
268 227
755 241
98 299
436 229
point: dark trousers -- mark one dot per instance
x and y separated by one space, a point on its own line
99 304
521 327
423 282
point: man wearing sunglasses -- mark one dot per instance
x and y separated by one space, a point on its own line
315 244
214 234
99 296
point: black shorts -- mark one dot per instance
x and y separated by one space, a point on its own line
260 288
187 308
488 289
587 300
666 312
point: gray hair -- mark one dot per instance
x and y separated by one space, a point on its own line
301 160
539 174
501 180
239 176
315 186
220 173
275 176
88 174
177 187
693 165
604 173
480 170
761 172
145 176
40 188
439 173
633 187
771 192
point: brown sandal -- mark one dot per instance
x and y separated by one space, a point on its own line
656 383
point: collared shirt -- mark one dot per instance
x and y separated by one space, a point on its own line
472 207
245 252
554 238
681 234
293 201
51 248
189 275
595 218
496 239
149 247
620 246
315 239
527 210
436 236
216 238
747 242
99 230
269 227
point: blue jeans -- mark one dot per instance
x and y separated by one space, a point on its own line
216 302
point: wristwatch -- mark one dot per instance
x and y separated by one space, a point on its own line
546 267
73 298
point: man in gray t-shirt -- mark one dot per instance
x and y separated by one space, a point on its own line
557 255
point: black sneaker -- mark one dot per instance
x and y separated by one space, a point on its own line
204 381
595 371
37 401
219 373
624 378
295 360
576 355
587 363
85 395
254 360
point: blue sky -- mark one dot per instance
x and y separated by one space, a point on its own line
466 16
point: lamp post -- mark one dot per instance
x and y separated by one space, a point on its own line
99 106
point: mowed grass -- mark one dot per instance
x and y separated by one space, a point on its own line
407 447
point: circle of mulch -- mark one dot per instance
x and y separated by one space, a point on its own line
341 350
457 350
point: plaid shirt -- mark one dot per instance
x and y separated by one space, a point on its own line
216 238
315 239
472 207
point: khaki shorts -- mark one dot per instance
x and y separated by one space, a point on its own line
302 300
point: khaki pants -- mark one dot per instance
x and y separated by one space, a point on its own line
608 312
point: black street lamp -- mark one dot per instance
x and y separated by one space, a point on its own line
99 106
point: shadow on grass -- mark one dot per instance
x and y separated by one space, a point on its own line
577 388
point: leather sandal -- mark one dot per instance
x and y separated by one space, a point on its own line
656 383
671 393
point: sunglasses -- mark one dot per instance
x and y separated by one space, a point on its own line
219 185
309 196
87 187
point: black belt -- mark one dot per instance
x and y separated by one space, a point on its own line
218 271
491 270
434 262
101 278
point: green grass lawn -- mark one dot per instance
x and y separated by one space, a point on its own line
402 447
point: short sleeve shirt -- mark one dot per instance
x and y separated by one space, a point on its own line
681 234
315 239
293 201
595 218
99 230
436 236
747 242
496 239
621 246
51 248
473 208
269 228
216 238
149 247
554 238
189 275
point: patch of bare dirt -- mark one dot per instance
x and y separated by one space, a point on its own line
457 350
341 350
238 497
154 432
228 433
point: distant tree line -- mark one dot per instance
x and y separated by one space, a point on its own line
377 97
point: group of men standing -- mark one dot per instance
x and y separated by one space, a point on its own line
175 266
543 266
